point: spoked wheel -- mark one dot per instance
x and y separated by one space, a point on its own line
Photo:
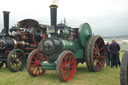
124 70
1 63
96 53
16 60
66 66
33 63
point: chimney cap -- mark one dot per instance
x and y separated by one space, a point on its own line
53 6
6 12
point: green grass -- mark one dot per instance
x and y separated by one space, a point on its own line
108 76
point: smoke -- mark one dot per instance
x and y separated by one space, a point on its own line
56 2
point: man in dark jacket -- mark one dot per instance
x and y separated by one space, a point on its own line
108 54
114 49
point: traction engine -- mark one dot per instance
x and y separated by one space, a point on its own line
18 41
65 48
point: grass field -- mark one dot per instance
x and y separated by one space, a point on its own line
108 76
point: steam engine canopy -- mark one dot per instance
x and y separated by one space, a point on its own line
52 45
28 23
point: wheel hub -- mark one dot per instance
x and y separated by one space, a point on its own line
67 66
16 61
37 62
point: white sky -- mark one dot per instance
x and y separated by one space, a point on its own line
106 17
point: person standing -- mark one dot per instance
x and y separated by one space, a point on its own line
114 49
108 54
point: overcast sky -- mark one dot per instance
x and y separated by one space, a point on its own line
106 17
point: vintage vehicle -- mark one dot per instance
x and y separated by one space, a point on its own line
124 70
17 42
64 48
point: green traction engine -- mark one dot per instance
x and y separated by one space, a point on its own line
64 48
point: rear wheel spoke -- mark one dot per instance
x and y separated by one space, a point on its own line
101 49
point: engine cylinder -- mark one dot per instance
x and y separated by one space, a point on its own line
11 44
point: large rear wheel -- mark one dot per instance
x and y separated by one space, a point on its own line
124 70
95 54
33 63
66 66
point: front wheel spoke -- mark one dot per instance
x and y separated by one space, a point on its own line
33 69
65 59
32 62
72 67
33 65
69 61
35 58
41 57
37 70
61 69
64 74
69 71
72 61
62 66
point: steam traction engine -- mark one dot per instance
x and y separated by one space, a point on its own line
65 48
124 70
17 42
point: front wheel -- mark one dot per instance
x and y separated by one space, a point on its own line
16 60
66 66
33 63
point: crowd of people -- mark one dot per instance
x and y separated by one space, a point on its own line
112 58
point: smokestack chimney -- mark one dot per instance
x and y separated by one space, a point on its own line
6 22
53 10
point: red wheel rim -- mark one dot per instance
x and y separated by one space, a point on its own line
99 53
67 67
34 63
